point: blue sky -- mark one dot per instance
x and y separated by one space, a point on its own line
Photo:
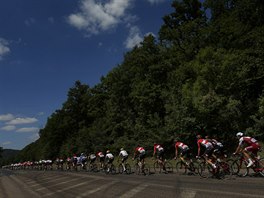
45 46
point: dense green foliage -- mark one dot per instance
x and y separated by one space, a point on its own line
203 74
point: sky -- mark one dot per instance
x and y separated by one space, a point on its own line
46 46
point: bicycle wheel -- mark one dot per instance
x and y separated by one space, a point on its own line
205 170
193 168
146 170
137 169
240 166
156 166
120 169
181 168
112 169
128 169
168 167
225 168
93 167
259 167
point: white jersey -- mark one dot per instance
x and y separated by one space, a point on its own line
109 156
123 153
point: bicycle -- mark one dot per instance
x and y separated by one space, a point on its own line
190 167
127 168
158 166
109 168
239 166
205 170
145 169
92 167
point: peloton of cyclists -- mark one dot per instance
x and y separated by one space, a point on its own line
247 145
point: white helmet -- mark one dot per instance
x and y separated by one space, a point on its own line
239 134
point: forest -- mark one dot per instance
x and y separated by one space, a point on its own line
202 74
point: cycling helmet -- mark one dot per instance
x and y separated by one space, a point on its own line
108 151
121 149
239 134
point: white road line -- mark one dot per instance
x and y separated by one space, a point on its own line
51 180
134 191
188 194
57 184
68 188
96 189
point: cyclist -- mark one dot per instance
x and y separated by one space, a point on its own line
124 155
184 151
101 157
109 158
82 160
92 158
218 147
247 145
140 153
208 150
159 150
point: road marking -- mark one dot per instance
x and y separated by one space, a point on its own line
51 180
222 192
188 194
43 188
96 189
21 183
68 188
134 191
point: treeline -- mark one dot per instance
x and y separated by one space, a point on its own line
203 74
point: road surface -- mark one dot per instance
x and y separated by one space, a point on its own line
20 184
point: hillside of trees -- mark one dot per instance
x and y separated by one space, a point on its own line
203 74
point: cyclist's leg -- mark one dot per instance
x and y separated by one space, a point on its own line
246 153
208 157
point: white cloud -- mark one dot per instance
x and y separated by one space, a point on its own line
4 49
27 129
30 21
34 137
6 117
95 16
6 143
155 1
22 121
8 128
134 37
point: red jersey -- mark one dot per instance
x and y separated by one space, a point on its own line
204 142
158 147
248 141
140 150
181 145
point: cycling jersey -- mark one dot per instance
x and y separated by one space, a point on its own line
123 153
181 146
158 148
204 143
216 143
92 156
109 156
251 144
100 154
140 150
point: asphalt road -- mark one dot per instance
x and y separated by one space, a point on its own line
19 184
